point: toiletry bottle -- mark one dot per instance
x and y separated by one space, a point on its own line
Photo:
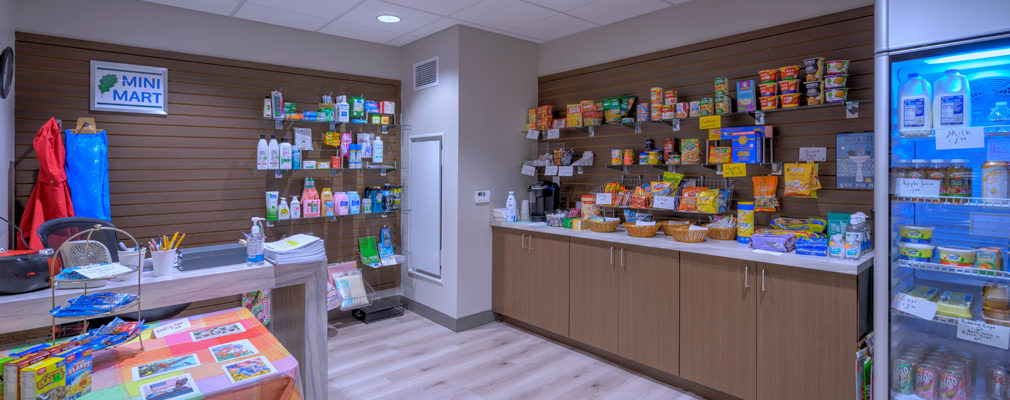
271 199
343 109
285 148
377 150
327 200
254 243
267 112
296 208
355 202
283 212
511 212
274 153
296 159
262 150
341 203
854 234
837 247
852 248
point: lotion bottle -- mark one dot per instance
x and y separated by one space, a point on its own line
343 109
262 149
283 212
341 203
377 150
296 208
274 153
285 154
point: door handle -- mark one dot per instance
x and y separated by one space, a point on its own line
762 280
622 258
746 274
611 255
523 240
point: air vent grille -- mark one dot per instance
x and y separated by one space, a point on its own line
426 74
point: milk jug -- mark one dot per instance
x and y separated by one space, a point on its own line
951 101
915 102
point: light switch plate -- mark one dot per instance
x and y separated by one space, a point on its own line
482 196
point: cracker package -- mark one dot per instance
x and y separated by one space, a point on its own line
800 179
662 188
689 198
641 198
764 193
720 154
590 113
574 116
690 151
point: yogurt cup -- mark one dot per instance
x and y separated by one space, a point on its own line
956 256
837 67
836 95
915 233
835 81
915 252
769 75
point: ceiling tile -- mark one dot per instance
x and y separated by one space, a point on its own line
223 7
320 8
440 7
280 17
503 14
402 40
560 5
410 19
434 27
526 38
554 27
605 12
359 32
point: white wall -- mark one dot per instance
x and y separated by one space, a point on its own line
143 24
692 22
918 22
6 120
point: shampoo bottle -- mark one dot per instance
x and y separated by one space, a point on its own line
342 203
285 148
355 202
283 212
343 109
377 150
274 153
262 151
296 208
296 159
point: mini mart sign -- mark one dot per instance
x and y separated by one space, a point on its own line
128 88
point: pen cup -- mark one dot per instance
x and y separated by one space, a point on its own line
132 258
164 261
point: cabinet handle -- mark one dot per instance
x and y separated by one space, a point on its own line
746 274
622 258
531 242
762 280
523 240
611 255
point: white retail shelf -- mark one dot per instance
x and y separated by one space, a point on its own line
950 269
958 201
996 130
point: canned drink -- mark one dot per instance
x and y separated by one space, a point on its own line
972 363
997 378
994 180
953 386
927 382
903 376
616 156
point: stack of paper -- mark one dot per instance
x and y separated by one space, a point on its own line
499 214
295 249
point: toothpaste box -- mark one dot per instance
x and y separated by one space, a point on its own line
747 149
745 97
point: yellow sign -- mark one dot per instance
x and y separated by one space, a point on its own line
734 170
715 134
711 122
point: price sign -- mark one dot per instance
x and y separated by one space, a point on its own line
815 154
992 225
566 171
907 187
981 332
715 134
998 150
532 134
553 133
385 262
664 203
921 308
551 170
170 328
604 199
734 170
529 170
960 138
710 122
102 271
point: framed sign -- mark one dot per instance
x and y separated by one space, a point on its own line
128 88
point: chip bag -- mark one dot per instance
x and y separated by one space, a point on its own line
689 198
708 201
764 193
661 188
674 178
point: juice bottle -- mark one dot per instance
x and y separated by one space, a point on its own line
959 178
918 169
899 171
937 171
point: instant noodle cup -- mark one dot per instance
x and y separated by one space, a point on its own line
915 251
814 68
837 67
915 233
790 100
836 95
835 81
769 102
768 89
790 72
769 75
956 256
815 92
789 86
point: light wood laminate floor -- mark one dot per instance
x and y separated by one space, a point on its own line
411 357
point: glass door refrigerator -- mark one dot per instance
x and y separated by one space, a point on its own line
947 229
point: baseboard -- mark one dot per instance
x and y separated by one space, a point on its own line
453 324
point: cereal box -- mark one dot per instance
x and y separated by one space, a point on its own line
3 361
574 116
44 380
531 117
745 98
719 154
78 366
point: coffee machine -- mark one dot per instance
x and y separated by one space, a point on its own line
545 197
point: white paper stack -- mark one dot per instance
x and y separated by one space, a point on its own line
499 214
295 249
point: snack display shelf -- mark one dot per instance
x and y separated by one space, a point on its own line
776 167
950 269
126 307
613 207
957 201
105 278
279 123
366 166
334 217
992 130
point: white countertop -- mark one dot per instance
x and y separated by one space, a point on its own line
718 248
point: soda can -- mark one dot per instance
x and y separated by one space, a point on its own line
997 378
903 376
972 363
953 386
927 382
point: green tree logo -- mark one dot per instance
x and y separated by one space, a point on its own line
107 82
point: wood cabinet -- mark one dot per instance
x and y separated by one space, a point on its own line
649 316
507 293
595 293
530 278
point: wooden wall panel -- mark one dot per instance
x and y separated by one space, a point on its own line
691 70
190 171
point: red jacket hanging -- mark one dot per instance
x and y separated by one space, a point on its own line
50 199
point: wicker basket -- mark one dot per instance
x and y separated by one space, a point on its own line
641 231
605 226
669 228
721 233
690 236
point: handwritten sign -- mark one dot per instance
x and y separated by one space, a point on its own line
734 170
960 138
664 203
551 170
981 332
650 223
815 154
907 187
604 199
992 225
998 150
103 270
921 308
566 171
710 122
714 134
529 170
553 133
170 328
532 134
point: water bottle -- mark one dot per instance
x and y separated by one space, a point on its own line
1000 117
511 212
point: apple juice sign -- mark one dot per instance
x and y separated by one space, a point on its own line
128 88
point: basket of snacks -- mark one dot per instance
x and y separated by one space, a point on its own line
641 230
693 234
605 226
669 227
722 227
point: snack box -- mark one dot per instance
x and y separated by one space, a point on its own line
574 116
559 124
746 100
747 149
389 107
990 258
44 380
12 372
30 350
78 364
720 154
732 133
531 117
3 361
371 107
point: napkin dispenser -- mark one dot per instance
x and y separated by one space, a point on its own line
193 258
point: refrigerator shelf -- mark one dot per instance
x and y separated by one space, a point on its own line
950 269
939 318
994 130
958 201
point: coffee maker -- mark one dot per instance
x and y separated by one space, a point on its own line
545 197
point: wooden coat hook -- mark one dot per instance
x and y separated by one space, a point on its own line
85 125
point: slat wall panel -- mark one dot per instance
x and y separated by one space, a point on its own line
190 171
691 70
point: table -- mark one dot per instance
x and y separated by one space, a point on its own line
298 309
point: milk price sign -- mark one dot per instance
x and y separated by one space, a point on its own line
128 88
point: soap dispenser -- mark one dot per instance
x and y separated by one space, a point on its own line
254 243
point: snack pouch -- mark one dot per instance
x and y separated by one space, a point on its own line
674 178
689 198
661 188
764 193
798 179
708 201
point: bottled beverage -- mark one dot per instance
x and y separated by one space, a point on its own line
1000 115
958 178
937 171
511 212
899 171
951 101
262 151
915 100
918 169
274 153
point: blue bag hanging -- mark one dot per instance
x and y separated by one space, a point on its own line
88 174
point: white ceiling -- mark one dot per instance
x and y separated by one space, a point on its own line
533 20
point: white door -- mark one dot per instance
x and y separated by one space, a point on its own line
424 175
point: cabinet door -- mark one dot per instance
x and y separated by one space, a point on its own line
547 297
807 333
595 295
650 308
510 263
718 323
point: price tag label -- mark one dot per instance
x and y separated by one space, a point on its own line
664 203
102 271
715 134
604 199
710 122
650 223
960 138
533 135
998 150
981 332
815 154
529 170
734 170
551 170
566 171
388 261
921 308
170 328
553 133
907 187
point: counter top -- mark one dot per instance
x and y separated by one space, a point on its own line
718 248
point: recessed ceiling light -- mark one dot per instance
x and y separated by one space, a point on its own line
388 18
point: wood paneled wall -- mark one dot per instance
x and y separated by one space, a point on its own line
691 70
190 171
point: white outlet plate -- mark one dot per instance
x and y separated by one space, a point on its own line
482 196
